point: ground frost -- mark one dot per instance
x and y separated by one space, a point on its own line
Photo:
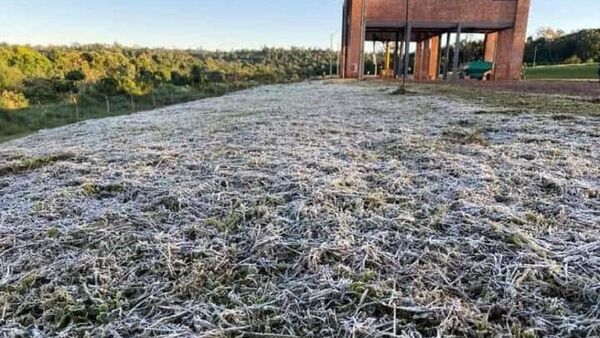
307 210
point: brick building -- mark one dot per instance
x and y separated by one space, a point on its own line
428 22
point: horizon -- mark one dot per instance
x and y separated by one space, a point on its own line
231 25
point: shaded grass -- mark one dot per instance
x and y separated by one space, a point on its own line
511 102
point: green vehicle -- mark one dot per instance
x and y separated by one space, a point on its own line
478 69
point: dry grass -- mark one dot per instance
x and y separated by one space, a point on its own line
307 210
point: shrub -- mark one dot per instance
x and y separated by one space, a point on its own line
75 75
42 90
573 60
10 77
11 100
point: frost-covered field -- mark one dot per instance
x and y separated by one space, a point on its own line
308 210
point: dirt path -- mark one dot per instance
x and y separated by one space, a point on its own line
306 210
587 89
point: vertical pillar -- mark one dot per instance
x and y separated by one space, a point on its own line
510 47
439 61
425 59
456 70
363 32
400 53
489 51
418 60
396 46
375 58
434 58
447 60
343 48
388 59
407 38
353 59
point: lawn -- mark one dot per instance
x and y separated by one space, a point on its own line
573 72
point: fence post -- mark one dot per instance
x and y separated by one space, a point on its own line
75 103
153 99
132 103
107 99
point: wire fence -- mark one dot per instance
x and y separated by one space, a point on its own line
85 106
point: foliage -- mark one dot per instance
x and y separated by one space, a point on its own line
30 62
11 100
557 48
45 75
75 75
573 60
10 77
549 33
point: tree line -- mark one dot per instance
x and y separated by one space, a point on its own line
40 75
551 46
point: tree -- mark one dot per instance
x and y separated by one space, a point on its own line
549 33
198 75
179 79
10 77
584 45
75 75
108 87
29 61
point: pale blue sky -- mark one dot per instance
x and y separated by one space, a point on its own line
216 24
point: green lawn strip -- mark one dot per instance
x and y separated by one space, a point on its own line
573 72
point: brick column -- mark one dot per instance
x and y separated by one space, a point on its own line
510 47
354 39
434 58
418 60
426 59
489 52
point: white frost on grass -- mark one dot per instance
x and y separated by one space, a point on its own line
307 210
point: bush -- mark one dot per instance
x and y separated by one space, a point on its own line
10 77
573 60
42 90
12 100
75 75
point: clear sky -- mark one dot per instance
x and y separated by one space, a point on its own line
216 24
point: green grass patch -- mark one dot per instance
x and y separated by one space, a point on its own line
570 72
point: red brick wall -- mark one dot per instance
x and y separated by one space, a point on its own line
449 11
